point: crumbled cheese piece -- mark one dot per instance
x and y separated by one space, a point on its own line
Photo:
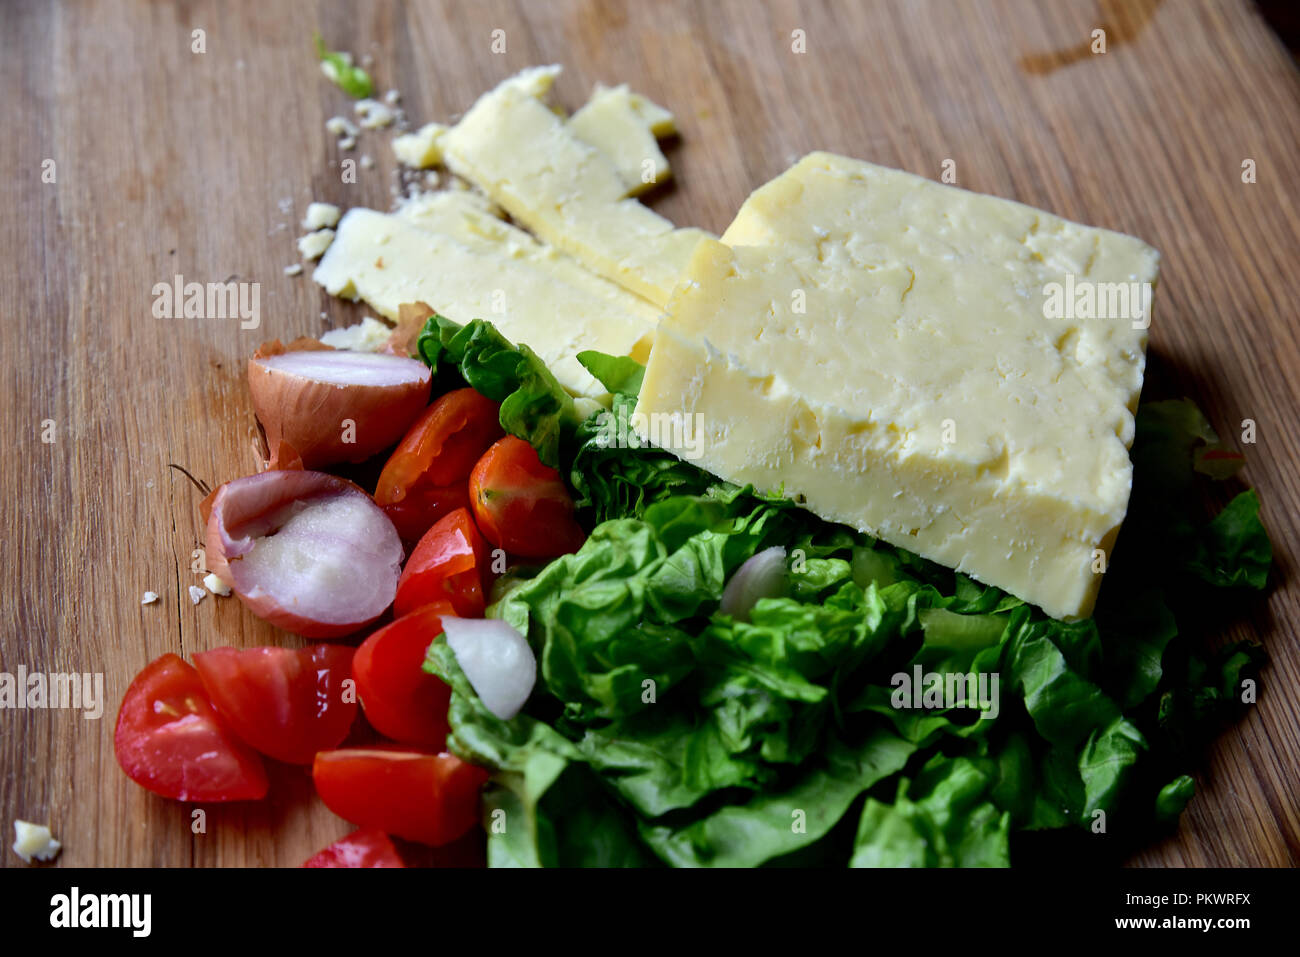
34 840
313 245
367 162
374 115
196 594
340 126
393 97
347 143
421 149
215 585
294 270
149 598
432 179
369 335
320 215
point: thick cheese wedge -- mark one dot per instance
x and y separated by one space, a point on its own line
448 250
880 345
622 125
529 161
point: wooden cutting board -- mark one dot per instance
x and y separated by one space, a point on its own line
168 162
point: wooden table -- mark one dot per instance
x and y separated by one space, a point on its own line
168 161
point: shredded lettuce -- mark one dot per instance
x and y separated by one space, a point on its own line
662 731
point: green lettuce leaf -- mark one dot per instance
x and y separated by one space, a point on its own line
534 406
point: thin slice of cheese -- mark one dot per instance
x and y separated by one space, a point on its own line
567 192
879 344
450 252
621 128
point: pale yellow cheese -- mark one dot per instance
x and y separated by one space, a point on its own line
451 253
877 343
421 149
567 192
621 127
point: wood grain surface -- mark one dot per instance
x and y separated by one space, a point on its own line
173 162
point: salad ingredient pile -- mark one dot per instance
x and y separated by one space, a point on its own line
804 573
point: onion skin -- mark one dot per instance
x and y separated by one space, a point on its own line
305 416
243 511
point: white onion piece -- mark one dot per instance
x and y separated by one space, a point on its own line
762 576
497 660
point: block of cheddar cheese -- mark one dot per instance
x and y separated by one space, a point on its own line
896 352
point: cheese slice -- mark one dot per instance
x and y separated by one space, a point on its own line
880 345
621 125
567 192
450 251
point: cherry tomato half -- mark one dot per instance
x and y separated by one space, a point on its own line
522 505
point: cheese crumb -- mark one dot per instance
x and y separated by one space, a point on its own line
313 245
34 841
369 335
374 115
149 598
347 143
367 162
340 126
294 270
196 594
215 585
421 149
393 97
320 215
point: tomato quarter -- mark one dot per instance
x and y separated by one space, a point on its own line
428 798
424 478
286 703
170 739
449 564
367 847
401 700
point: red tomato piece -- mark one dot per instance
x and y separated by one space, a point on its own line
367 847
449 564
427 798
286 703
522 505
401 700
423 506
170 739
424 478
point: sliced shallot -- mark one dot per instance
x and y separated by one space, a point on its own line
308 552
